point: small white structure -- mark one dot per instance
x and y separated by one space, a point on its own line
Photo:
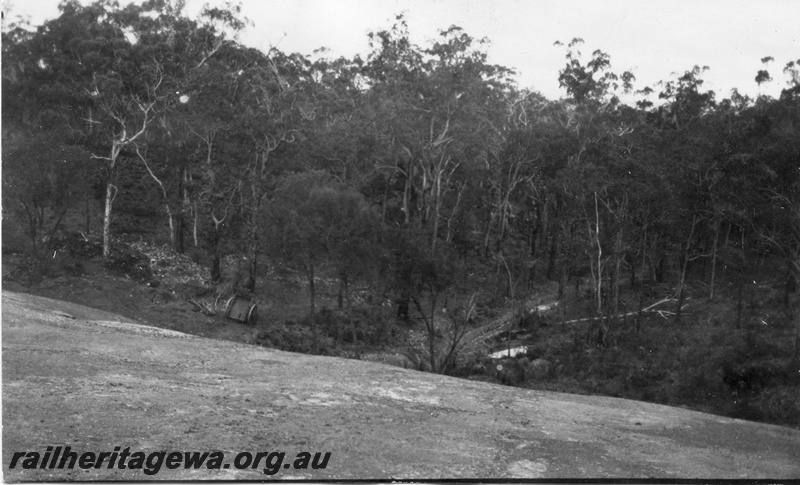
501 354
545 308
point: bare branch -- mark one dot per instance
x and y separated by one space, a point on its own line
213 51
150 171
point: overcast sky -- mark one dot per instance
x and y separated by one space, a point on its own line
652 38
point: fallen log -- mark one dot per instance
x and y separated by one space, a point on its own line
649 309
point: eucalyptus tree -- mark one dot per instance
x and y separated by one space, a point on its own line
119 79
44 177
595 174
273 109
317 221
196 56
86 71
439 114
112 71
214 175
45 171
523 190
687 123
438 109
762 165
338 121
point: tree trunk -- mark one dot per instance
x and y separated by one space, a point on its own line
644 255
562 280
796 356
312 290
551 263
253 270
797 337
111 192
682 283
713 264
383 204
254 226
172 227
107 219
194 224
599 287
173 238
618 261
435 231
344 294
790 287
215 269
449 237
88 213
407 192
639 315
178 239
727 236
740 298
797 331
432 335
534 232
492 216
180 219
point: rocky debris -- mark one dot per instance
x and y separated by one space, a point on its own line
170 268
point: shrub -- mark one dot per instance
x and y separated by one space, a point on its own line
77 245
511 372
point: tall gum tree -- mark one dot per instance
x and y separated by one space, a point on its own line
112 69
196 58
274 108
434 106
437 109
600 130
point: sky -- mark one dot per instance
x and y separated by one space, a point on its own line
652 39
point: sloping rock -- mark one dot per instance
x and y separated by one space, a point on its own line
94 383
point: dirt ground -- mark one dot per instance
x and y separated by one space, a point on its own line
79 377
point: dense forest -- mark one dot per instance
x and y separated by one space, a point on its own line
427 186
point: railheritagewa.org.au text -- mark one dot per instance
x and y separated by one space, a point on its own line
269 462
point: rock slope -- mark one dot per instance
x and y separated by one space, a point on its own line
78 377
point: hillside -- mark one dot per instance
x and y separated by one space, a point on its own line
74 376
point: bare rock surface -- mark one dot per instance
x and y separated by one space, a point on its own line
79 377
